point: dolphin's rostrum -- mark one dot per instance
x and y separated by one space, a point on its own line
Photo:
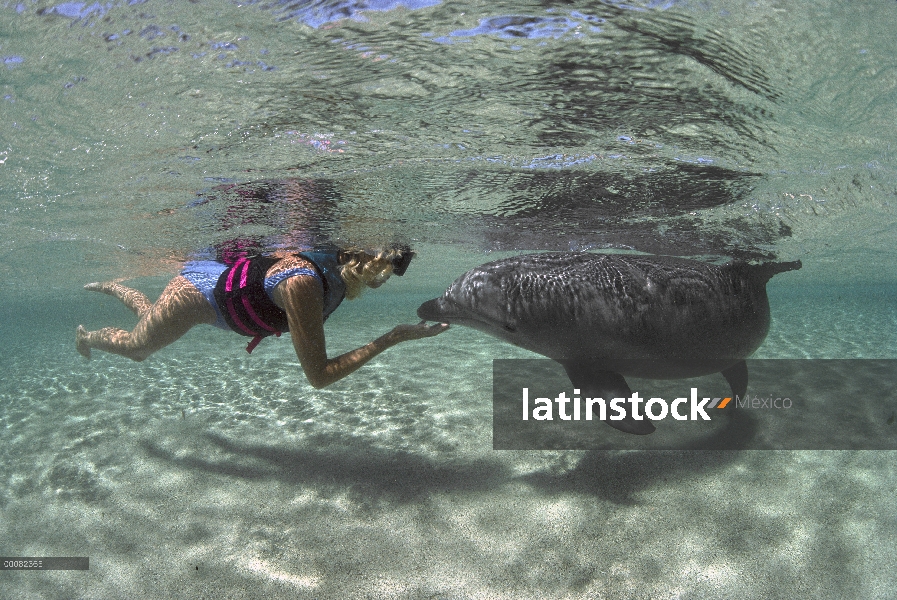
604 316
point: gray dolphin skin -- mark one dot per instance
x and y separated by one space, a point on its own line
605 316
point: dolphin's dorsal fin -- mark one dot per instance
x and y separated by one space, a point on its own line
595 383
737 376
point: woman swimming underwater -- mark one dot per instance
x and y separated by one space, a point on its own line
261 296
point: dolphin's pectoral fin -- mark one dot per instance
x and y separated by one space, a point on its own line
737 376
595 383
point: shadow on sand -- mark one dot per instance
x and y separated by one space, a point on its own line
374 476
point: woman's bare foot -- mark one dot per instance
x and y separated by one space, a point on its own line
81 342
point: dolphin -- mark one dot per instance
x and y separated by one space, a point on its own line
606 316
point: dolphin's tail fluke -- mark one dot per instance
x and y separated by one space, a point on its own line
766 271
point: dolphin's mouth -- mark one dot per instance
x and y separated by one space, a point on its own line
445 310
439 309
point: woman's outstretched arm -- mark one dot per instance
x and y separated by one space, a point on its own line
302 300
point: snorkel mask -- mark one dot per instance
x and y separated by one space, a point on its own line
402 259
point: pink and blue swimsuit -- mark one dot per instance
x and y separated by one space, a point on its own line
243 297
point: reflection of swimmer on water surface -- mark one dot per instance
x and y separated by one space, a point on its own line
261 296
300 213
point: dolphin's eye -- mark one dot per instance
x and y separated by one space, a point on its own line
509 327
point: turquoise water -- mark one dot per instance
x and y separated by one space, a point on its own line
472 131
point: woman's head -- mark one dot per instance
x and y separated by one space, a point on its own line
371 268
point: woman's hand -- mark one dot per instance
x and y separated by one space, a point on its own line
304 304
407 332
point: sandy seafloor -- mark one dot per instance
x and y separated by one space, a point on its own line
709 128
206 472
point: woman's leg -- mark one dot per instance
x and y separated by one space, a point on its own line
180 307
133 299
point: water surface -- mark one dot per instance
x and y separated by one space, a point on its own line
134 135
